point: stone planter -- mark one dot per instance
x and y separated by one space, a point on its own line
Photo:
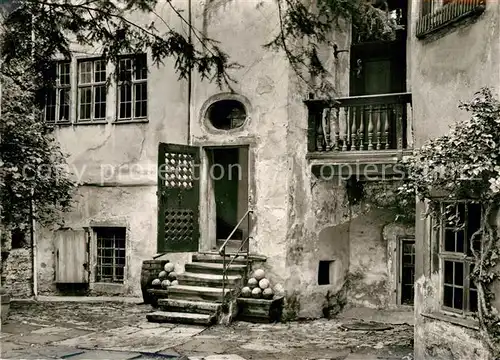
260 310
5 303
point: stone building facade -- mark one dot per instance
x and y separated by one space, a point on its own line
326 241
471 47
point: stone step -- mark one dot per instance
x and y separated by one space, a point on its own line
209 280
181 318
214 268
197 293
242 256
189 306
216 258
231 246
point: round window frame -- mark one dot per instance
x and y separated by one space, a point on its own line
205 113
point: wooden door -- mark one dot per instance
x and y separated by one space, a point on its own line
71 252
178 198
378 68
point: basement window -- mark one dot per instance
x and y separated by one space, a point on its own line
324 272
110 254
18 239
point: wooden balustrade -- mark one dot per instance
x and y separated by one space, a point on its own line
372 122
447 14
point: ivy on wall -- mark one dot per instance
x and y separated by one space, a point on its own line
384 195
465 165
461 165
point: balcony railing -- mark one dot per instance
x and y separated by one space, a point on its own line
451 12
370 123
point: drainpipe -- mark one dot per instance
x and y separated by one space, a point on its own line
32 204
33 248
189 78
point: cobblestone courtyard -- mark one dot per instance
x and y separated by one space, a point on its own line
110 330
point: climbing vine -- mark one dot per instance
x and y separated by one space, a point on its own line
465 165
384 195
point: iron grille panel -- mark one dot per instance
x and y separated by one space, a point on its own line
179 170
179 225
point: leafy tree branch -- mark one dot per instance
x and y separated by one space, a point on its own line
305 27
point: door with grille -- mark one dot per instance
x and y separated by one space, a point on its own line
178 198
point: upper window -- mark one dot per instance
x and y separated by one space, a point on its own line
57 97
91 90
132 88
435 14
84 94
459 226
227 114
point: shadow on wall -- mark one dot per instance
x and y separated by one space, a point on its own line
333 241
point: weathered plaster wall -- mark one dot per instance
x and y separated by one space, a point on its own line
262 84
321 224
116 166
98 152
299 220
447 68
436 339
133 208
361 240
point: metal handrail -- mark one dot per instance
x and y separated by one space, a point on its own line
222 252
223 247
238 251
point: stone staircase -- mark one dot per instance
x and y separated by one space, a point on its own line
197 299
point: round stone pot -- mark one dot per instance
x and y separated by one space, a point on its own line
5 304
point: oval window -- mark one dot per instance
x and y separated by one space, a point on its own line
227 114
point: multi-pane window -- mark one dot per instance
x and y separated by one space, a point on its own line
57 97
460 221
91 90
407 261
132 88
110 254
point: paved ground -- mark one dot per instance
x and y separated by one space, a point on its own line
108 330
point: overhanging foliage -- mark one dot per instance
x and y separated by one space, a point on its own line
307 25
33 170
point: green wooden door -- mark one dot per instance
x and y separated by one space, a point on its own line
178 198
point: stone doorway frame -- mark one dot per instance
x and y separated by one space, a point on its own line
207 201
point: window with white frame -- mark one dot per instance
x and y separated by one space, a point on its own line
132 88
91 90
458 224
57 101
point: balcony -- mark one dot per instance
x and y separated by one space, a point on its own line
452 11
360 131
